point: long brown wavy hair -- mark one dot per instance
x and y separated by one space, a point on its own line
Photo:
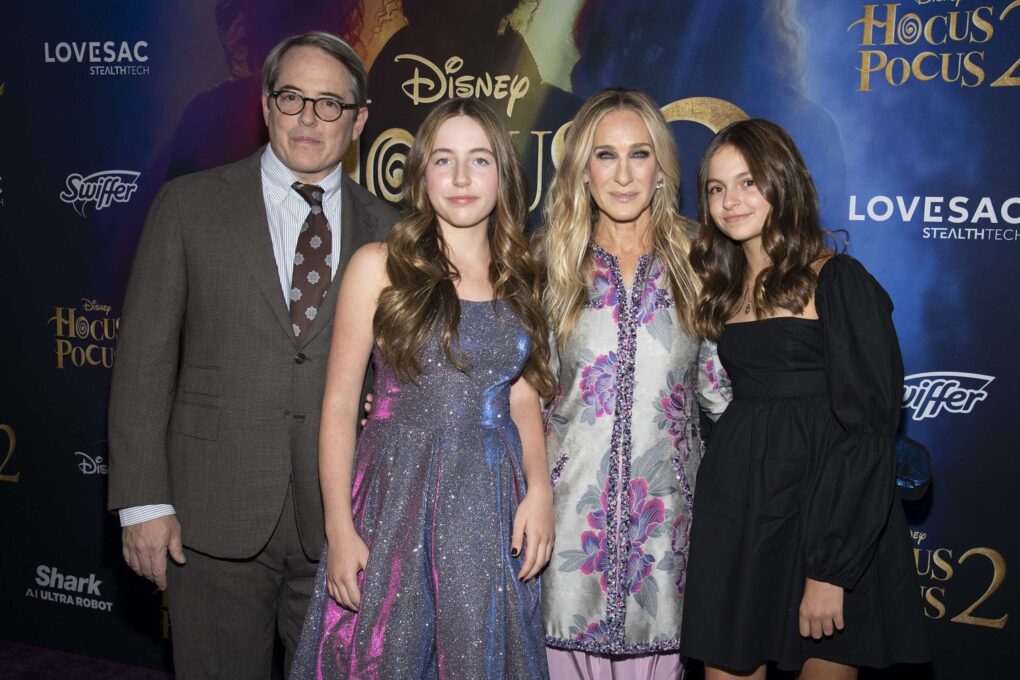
421 297
792 237
571 214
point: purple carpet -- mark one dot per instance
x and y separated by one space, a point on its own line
27 662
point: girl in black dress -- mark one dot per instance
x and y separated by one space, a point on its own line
800 554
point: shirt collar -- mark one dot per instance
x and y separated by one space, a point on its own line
278 178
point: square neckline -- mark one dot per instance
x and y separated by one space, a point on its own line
818 276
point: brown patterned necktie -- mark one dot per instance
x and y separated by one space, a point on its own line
312 272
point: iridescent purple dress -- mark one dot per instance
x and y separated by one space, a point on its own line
437 480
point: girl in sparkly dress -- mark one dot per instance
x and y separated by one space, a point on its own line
440 518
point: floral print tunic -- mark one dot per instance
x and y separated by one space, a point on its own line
624 450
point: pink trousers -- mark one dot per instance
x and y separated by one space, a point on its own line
565 665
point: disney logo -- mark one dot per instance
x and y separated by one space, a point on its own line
437 83
94 306
89 465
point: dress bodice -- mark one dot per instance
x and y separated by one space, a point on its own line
781 357
495 346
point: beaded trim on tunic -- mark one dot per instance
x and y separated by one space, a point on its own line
619 464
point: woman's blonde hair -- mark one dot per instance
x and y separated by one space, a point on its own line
571 214
421 298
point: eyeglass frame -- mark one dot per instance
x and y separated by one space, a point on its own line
344 106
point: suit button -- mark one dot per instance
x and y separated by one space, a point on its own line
300 358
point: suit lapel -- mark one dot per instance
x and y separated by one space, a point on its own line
353 217
244 214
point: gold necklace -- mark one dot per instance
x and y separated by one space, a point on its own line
749 298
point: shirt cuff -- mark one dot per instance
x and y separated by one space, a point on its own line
143 513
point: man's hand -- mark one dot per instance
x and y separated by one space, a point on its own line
146 544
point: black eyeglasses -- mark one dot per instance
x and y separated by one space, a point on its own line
327 109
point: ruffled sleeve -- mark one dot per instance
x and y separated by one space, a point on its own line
852 490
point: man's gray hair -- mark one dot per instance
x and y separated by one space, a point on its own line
328 43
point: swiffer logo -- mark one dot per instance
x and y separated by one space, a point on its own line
929 394
101 188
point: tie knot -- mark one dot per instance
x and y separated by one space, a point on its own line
312 193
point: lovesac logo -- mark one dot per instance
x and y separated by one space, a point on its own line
102 188
929 394
106 58
959 218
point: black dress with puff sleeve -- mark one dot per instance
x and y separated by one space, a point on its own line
798 481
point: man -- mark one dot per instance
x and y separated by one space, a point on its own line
221 362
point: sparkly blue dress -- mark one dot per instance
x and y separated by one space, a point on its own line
437 479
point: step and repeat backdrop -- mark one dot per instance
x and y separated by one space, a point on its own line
907 114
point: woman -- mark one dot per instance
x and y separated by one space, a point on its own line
437 529
623 440
800 555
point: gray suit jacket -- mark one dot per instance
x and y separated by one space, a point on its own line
215 404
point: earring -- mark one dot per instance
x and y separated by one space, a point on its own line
658 185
